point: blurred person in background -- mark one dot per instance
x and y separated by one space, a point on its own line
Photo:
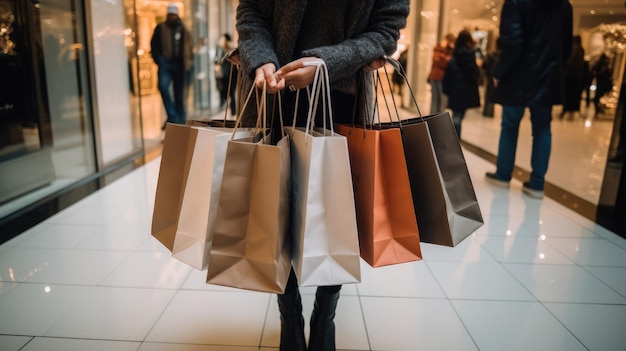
575 77
603 74
224 79
442 53
461 79
172 52
488 66
536 43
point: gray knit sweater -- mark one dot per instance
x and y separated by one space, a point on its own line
346 34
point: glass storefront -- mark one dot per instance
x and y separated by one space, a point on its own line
585 168
47 133
80 95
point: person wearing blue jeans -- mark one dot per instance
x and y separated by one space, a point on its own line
536 41
540 117
171 74
172 52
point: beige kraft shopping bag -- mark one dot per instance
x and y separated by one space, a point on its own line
197 214
250 247
173 174
197 187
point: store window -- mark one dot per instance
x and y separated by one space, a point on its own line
46 138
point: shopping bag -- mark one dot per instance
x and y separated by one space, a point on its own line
443 194
250 248
388 232
173 172
325 249
215 123
187 190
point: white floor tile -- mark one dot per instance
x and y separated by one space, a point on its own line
59 236
121 314
118 237
591 252
478 280
402 324
556 225
102 216
6 286
349 323
59 266
411 279
149 270
468 250
60 344
610 236
150 244
32 309
563 284
514 325
518 249
13 342
615 277
502 225
598 327
211 317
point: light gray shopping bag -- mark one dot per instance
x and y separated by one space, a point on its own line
325 248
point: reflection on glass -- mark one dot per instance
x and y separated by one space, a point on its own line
45 136
64 58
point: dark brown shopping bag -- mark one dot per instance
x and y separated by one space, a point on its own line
388 232
443 194
325 248
250 247
445 202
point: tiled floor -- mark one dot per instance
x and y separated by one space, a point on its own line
536 276
581 144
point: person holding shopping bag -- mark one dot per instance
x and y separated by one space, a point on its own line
276 38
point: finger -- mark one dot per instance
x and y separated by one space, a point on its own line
280 85
290 67
259 80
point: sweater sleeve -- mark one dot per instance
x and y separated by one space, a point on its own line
378 39
255 38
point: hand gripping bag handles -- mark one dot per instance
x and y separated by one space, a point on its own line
325 248
443 195
388 232
251 249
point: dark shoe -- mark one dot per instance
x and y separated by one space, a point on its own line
532 192
322 336
291 322
493 179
